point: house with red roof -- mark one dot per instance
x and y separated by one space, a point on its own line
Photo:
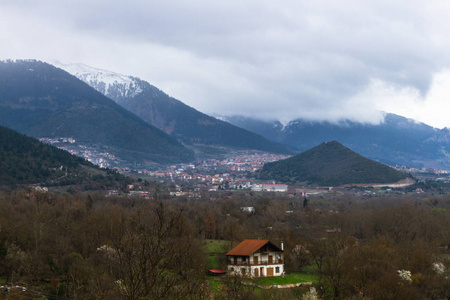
256 258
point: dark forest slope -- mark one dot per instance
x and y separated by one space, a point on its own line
330 164
25 160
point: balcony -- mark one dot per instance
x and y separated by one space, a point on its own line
253 263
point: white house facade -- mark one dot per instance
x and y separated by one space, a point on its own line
256 258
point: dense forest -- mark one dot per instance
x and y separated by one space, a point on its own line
88 246
26 160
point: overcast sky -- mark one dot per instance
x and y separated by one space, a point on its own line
322 60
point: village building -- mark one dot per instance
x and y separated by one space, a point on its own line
256 187
248 209
256 258
275 187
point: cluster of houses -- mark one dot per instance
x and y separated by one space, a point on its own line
102 159
216 182
218 172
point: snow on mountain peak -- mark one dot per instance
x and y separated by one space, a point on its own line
106 82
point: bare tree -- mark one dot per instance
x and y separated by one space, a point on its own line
152 256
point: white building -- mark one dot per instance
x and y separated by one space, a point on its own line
256 258
275 187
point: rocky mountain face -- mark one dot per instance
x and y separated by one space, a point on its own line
174 117
40 100
397 140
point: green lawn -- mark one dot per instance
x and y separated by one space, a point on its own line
214 251
214 282
287 279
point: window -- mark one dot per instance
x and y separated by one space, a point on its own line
244 259
243 271
277 270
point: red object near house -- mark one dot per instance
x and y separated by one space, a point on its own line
217 272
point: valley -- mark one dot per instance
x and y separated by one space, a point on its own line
141 196
224 150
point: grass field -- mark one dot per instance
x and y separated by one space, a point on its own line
214 251
215 283
287 279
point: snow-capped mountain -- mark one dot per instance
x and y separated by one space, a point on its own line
106 82
168 114
398 140
43 101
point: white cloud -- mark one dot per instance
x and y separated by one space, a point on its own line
433 108
284 59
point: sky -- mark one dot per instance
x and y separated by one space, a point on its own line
275 60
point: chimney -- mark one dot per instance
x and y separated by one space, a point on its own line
282 246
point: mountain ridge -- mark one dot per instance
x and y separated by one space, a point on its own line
41 100
179 120
398 140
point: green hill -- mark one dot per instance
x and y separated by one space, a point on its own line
40 100
330 164
25 160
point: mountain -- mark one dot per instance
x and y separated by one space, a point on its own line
397 140
40 100
170 115
25 160
331 164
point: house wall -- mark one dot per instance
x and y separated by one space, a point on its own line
278 270
247 267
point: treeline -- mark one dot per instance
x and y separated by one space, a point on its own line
96 247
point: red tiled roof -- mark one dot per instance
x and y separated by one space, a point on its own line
247 247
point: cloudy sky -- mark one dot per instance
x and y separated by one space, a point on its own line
322 60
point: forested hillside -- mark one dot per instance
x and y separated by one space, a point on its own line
330 164
25 160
